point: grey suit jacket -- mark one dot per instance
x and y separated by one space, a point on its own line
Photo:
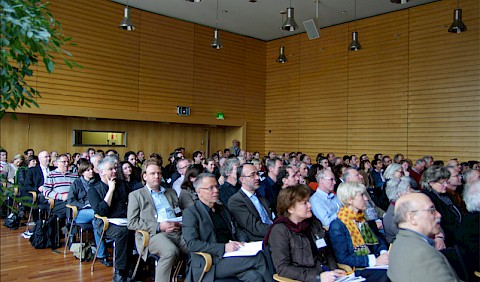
412 259
199 233
247 216
142 215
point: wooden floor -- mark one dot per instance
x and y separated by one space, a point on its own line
19 261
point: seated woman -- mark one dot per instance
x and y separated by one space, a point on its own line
188 196
434 182
297 240
354 241
125 172
394 191
77 196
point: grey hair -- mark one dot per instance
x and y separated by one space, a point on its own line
199 180
471 197
346 174
94 157
271 162
348 190
103 162
427 158
433 174
397 186
420 161
299 163
320 175
388 174
227 167
467 174
401 210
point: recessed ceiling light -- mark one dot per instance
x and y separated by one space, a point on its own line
224 11
343 12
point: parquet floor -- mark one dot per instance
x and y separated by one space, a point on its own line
19 261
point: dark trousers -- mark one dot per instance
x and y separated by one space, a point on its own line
244 268
120 235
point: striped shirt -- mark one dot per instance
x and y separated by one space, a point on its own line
58 184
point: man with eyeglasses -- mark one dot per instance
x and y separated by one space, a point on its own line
208 227
413 256
251 211
57 185
455 188
153 208
182 166
325 204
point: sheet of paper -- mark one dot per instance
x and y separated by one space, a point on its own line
350 278
378 267
175 219
118 221
248 250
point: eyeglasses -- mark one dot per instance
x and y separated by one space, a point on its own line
432 210
328 178
184 167
252 175
443 182
399 171
210 189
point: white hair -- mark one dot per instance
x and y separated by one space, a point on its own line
471 196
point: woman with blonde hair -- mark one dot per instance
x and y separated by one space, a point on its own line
356 242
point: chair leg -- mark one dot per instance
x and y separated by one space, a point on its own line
138 262
81 244
29 218
68 237
96 253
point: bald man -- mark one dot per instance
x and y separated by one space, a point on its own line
413 256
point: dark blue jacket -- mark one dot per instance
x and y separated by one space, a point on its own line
343 247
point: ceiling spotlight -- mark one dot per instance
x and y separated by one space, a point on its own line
399 1
194 1
354 45
290 24
281 56
216 43
126 23
457 25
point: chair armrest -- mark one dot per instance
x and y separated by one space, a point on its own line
74 210
51 202
145 236
477 273
34 196
346 267
279 278
105 221
208 261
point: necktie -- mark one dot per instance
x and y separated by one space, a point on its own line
261 210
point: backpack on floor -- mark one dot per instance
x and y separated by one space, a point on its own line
39 238
12 221
52 232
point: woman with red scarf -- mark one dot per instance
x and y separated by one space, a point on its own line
297 240
356 242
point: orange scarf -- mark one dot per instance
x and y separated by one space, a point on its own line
349 217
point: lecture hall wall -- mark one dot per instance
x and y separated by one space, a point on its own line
414 88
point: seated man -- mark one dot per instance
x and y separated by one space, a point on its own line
251 211
208 227
413 256
149 209
325 204
109 197
58 184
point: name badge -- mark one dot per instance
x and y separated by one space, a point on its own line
177 210
320 243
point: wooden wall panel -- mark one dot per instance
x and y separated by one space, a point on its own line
55 133
282 97
444 98
143 75
412 89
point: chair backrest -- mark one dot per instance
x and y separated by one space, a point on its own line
268 258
